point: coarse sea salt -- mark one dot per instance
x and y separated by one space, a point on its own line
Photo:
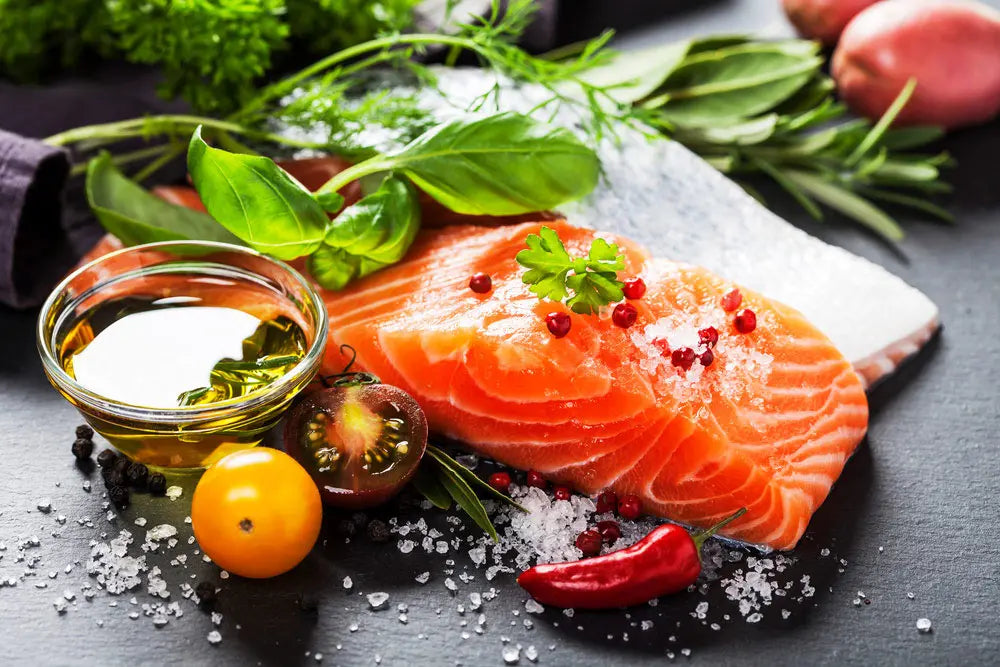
377 600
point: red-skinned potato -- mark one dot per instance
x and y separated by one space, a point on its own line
952 49
823 20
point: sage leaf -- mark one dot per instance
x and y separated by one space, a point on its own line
504 164
634 75
367 236
734 83
132 214
745 133
256 200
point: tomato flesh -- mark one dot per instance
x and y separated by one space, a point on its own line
361 444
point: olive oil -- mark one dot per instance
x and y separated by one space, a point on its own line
183 352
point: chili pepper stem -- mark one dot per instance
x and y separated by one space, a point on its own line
699 538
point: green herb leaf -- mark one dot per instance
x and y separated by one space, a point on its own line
428 484
256 200
464 497
634 75
594 281
472 478
372 234
134 215
847 203
735 82
498 165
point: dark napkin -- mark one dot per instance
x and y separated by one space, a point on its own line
34 247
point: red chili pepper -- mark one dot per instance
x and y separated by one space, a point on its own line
666 561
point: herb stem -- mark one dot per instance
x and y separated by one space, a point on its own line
165 124
125 158
389 42
353 173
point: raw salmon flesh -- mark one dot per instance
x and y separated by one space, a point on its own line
768 425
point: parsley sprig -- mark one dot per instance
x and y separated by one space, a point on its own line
553 273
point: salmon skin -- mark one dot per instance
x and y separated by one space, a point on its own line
768 425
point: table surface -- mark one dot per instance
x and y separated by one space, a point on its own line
912 513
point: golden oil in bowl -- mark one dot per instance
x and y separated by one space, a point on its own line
180 353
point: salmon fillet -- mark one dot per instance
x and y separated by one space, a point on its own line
768 426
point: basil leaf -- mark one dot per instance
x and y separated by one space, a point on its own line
256 200
333 268
499 165
373 233
135 216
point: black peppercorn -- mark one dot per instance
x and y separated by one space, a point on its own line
378 530
121 464
83 448
119 496
137 475
156 484
84 432
107 458
207 593
113 478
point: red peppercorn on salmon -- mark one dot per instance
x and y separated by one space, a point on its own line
767 425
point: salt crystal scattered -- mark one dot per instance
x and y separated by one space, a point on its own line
214 637
531 653
377 600
923 625
348 583
45 505
511 655
422 578
160 532
450 584
533 607
174 492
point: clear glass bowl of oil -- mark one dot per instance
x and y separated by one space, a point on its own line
181 352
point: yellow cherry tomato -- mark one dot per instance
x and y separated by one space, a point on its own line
256 513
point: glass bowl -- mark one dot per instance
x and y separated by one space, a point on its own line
193 436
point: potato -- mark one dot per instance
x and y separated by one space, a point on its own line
823 20
952 49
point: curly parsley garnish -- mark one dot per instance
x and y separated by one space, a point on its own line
552 273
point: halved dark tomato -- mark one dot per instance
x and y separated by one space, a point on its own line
361 444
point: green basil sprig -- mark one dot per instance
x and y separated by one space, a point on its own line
503 164
370 235
135 216
256 200
496 165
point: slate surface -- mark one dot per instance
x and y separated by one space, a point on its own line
924 488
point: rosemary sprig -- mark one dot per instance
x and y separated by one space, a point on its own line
441 479
752 107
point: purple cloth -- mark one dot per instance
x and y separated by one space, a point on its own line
34 248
